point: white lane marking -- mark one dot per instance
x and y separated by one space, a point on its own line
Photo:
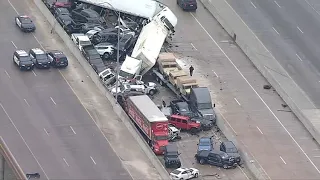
53 101
14 125
93 120
275 30
259 130
237 101
316 156
312 7
304 94
7 73
300 29
283 160
72 130
243 172
234 131
34 73
253 4
215 74
299 57
38 41
94 162
14 45
255 90
46 131
13 7
26 102
277 4
194 47
65 161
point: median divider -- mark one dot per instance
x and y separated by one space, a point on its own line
116 107
269 67
19 174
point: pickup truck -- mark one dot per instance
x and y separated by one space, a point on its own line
80 40
93 57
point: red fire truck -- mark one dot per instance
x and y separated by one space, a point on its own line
150 120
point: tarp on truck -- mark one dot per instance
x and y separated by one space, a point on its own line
148 109
141 8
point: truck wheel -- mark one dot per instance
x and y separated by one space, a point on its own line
152 92
201 161
193 131
161 83
225 166
196 175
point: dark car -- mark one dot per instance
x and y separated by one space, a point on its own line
188 4
25 23
61 11
229 148
107 35
40 58
205 123
64 20
125 42
180 108
58 59
205 143
85 16
22 60
93 57
89 26
216 158
171 156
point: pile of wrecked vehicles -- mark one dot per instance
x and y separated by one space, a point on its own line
191 111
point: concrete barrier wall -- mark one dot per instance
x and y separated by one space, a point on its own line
269 67
118 110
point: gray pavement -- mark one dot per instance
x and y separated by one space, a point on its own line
44 120
278 28
274 138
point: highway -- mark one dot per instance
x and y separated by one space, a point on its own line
289 29
271 135
43 123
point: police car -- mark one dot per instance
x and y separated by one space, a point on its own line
22 60
25 23
58 59
39 58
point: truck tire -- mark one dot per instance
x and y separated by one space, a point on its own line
202 161
225 166
106 56
152 92
193 131
160 82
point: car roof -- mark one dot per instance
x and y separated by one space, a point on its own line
57 53
104 44
63 10
22 53
38 51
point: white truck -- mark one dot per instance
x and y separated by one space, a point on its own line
146 50
80 40
107 77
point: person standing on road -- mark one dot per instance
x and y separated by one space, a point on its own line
191 69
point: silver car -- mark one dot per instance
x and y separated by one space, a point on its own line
105 50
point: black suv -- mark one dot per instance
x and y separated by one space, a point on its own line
180 108
40 58
58 59
171 156
229 148
216 158
22 60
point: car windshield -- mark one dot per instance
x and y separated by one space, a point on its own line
63 1
176 172
41 56
64 59
231 150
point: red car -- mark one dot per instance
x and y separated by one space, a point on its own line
52 4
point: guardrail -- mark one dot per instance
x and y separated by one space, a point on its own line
4 150
94 77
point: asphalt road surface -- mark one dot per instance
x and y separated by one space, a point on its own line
270 134
289 29
42 121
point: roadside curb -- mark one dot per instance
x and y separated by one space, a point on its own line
117 109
